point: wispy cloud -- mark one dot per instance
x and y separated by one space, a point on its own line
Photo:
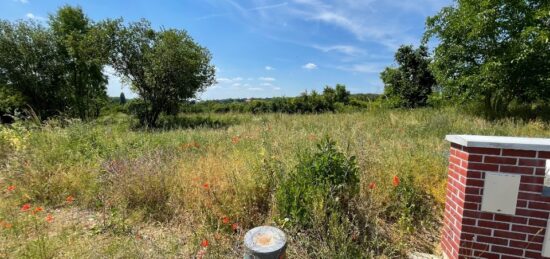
34 17
22 1
345 49
269 79
363 68
242 10
309 66
269 68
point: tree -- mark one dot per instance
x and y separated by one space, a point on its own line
496 52
80 44
342 95
411 83
164 67
122 99
32 68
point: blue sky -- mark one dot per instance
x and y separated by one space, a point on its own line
264 48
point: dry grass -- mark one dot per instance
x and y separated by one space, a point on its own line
159 194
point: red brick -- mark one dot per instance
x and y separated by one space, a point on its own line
454 160
506 250
535 238
539 205
517 152
482 150
521 204
475 182
516 169
472 190
525 245
528 229
544 154
500 160
532 213
532 162
493 224
530 187
533 197
471 206
530 254
476 230
510 235
511 219
483 167
492 240
475 245
540 171
532 179
537 222
475 158
478 214
473 198
510 257
485 254
468 221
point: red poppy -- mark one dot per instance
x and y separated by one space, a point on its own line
225 220
70 199
37 209
204 243
396 181
235 139
372 185
235 226
205 186
11 188
25 207
49 218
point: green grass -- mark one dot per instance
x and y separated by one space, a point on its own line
159 193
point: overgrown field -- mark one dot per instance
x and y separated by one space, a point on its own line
104 189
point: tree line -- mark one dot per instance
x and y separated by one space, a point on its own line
57 69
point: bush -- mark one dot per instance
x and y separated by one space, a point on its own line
322 184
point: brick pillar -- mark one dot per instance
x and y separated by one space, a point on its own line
471 230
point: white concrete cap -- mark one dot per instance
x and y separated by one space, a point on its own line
535 144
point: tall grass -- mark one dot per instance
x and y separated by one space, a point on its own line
160 193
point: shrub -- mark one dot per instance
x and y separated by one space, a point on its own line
322 183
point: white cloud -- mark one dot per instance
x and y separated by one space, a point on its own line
255 89
363 68
226 80
309 66
34 17
268 68
270 79
266 84
22 1
236 84
345 49
276 88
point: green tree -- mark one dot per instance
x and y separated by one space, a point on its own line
122 99
80 44
342 95
32 67
496 52
411 82
164 67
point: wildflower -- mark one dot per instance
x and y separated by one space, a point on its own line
396 181
372 185
204 243
312 137
49 218
235 139
37 209
235 226
225 220
69 199
205 185
25 207
11 188
5 225
201 253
